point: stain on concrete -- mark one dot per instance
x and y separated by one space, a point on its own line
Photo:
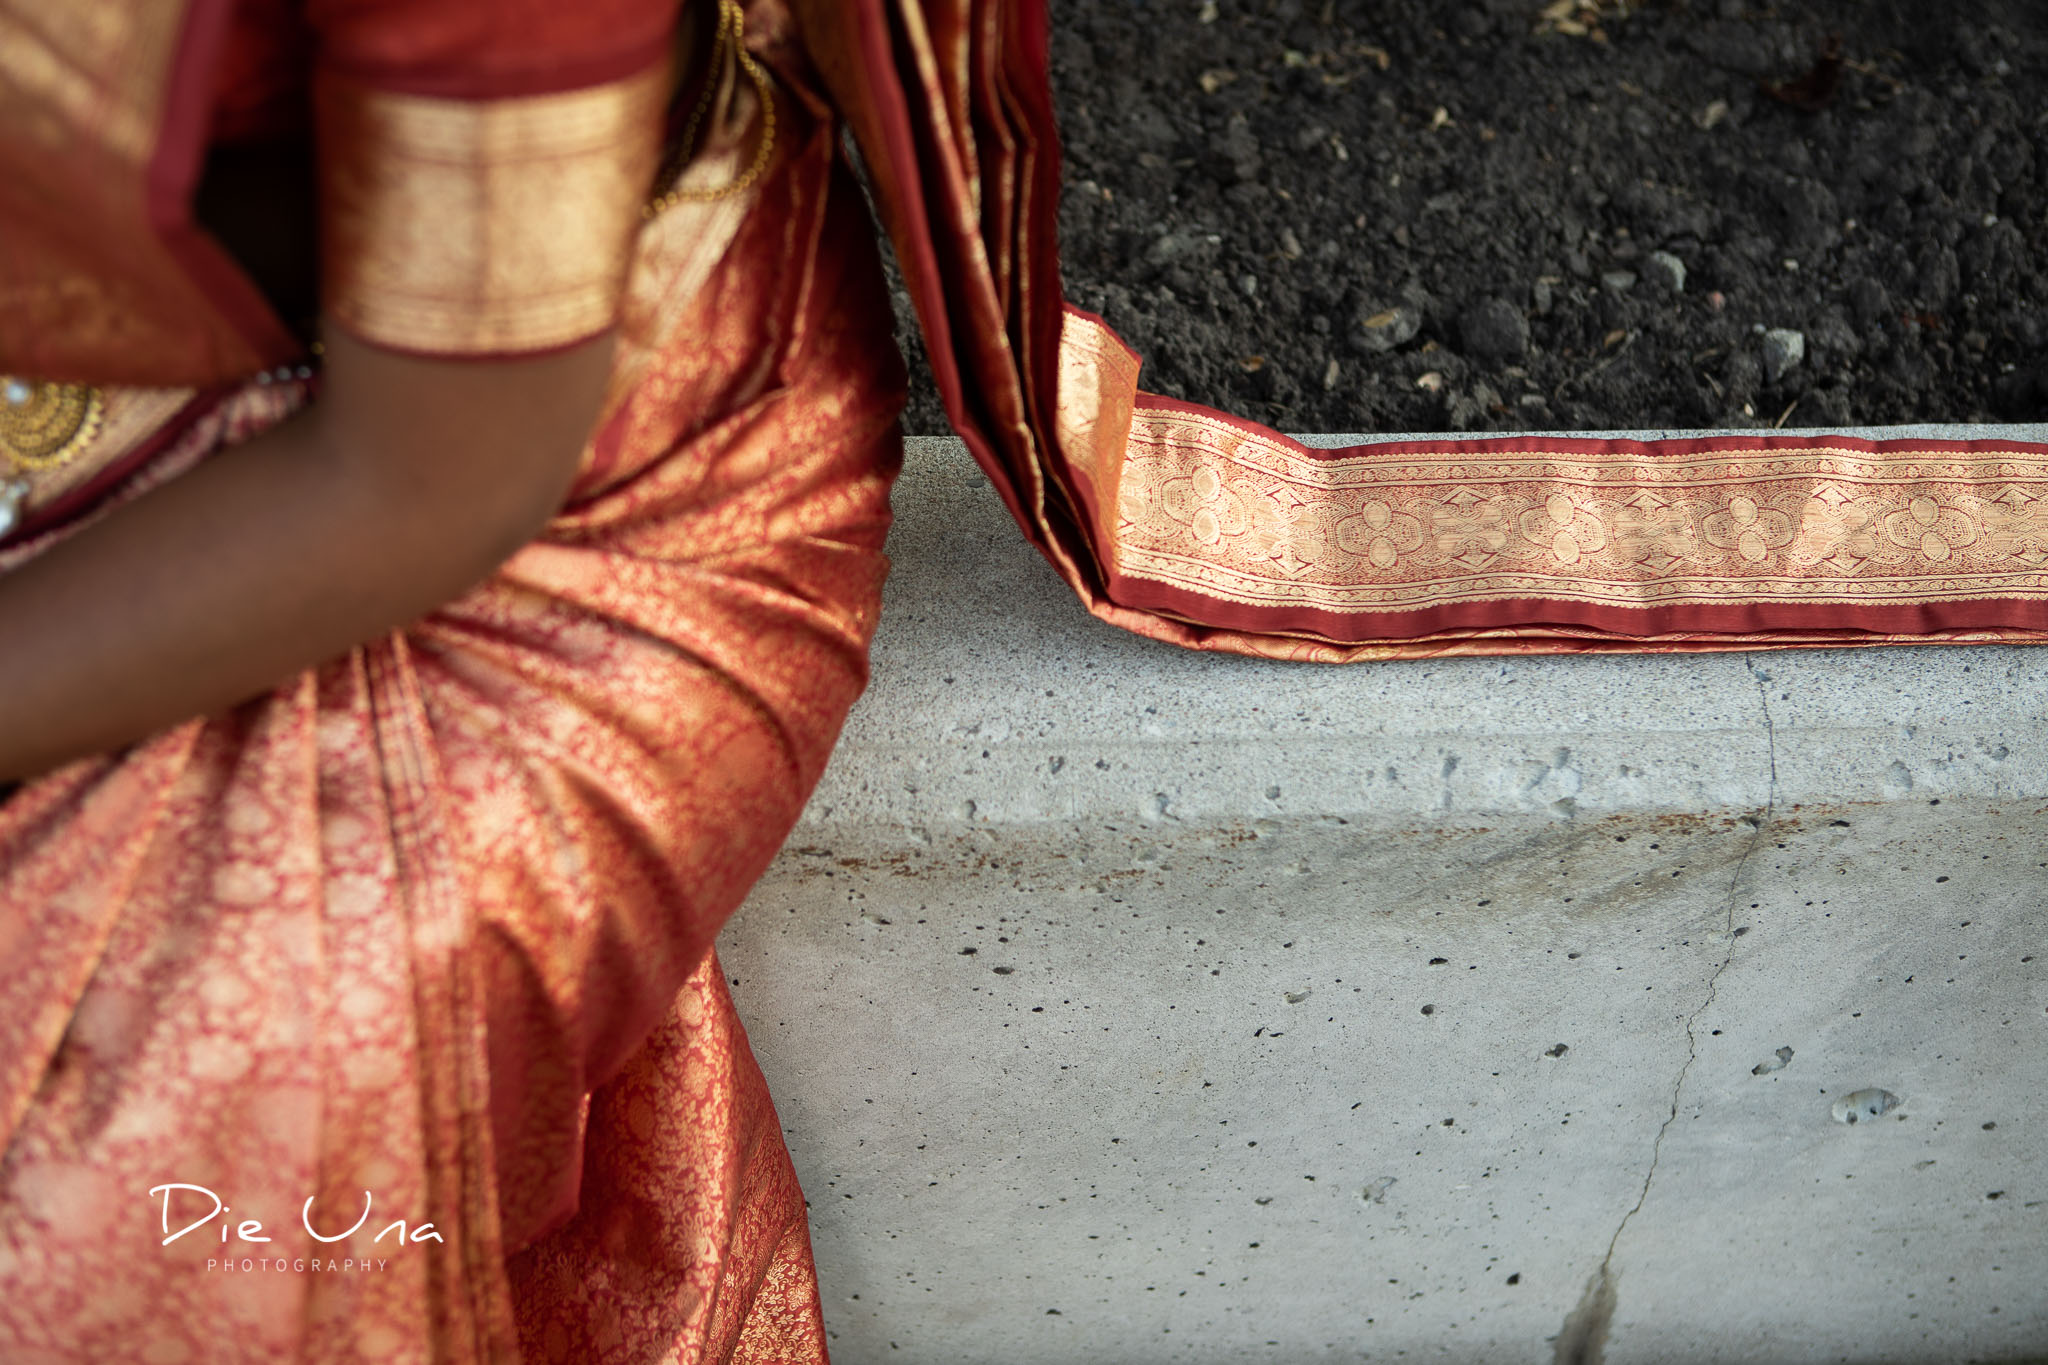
1583 1340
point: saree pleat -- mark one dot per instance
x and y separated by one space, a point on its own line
1209 531
426 934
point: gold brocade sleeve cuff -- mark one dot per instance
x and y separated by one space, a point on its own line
483 227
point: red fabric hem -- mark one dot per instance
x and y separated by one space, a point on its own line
1386 627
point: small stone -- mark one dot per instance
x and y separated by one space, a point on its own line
1543 297
1784 349
1618 281
1494 329
1290 245
1382 331
1248 285
1668 271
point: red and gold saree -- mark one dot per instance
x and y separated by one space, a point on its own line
424 936
428 929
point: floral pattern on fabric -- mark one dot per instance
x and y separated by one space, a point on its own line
424 936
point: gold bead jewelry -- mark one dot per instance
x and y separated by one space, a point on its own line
43 424
731 37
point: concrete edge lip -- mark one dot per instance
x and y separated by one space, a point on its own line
996 701
1924 431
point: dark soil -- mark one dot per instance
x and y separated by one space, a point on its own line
1423 215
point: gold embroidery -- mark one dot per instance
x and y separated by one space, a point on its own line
1212 508
1751 531
42 425
1379 535
474 227
1098 390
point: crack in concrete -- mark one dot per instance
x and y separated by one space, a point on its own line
1583 1338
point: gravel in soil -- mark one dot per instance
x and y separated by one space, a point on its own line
1412 215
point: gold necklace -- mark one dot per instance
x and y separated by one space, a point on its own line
730 39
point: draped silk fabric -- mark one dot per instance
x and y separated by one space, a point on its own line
1199 528
424 936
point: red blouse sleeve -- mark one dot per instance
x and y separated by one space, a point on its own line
483 165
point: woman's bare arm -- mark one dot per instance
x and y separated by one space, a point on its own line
406 484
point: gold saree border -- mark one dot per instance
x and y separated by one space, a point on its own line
1097 397
1207 507
480 227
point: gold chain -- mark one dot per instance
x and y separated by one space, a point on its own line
43 424
732 32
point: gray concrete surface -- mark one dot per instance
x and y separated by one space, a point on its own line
1130 1005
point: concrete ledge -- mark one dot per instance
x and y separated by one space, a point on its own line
1129 1004
996 699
